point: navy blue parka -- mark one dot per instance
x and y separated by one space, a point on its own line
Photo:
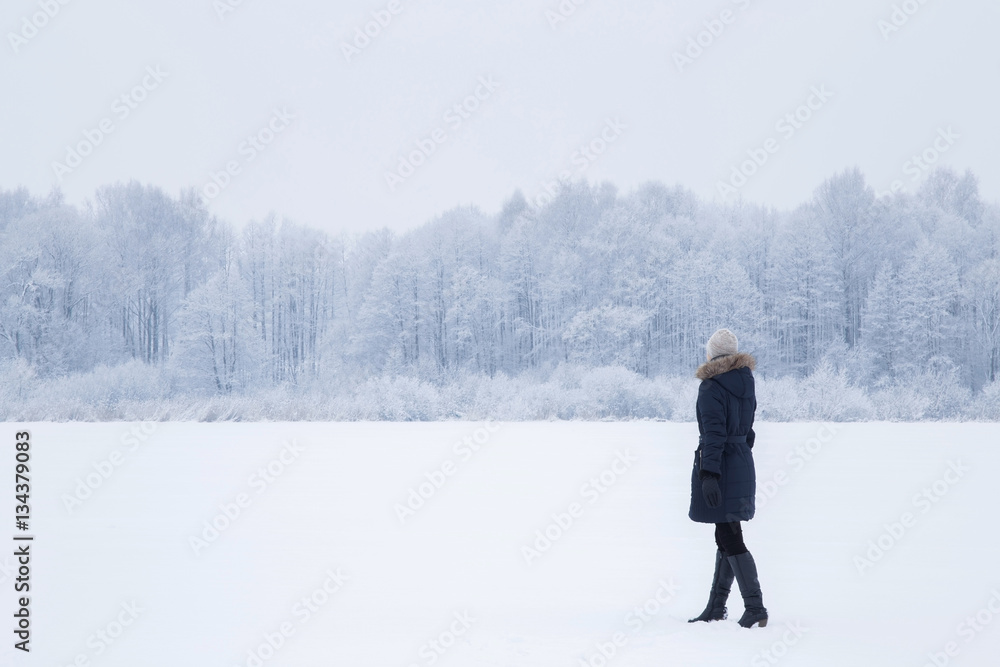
725 411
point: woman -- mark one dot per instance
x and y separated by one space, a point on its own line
723 482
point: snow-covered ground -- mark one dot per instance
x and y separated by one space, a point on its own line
323 562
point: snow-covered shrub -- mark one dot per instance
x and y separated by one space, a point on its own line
97 394
455 395
825 395
570 392
892 402
17 382
935 392
779 399
517 399
986 404
947 396
829 396
136 391
680 395
396 399
618 393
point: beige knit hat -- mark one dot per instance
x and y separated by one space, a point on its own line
722 341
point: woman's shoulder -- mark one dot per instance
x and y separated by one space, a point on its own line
709 386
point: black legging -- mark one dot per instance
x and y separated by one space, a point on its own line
729 538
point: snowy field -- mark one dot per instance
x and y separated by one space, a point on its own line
874 541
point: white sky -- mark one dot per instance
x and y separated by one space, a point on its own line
558 87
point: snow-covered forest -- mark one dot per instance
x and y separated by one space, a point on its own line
593 304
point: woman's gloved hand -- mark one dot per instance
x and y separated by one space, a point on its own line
710 489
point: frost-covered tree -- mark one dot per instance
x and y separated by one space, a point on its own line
881 333
899 289
928 307
844 207
218 346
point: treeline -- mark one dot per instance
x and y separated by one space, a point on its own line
896 291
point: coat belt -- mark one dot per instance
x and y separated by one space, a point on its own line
732 439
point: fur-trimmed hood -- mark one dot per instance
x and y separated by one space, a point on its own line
725 364
739 383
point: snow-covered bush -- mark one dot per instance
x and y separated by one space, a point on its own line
136 391
680 395
395 399
98 394
934 392
829 396
779 399
986 404
825 395
947 397
17 382
618 393
516 399
892 402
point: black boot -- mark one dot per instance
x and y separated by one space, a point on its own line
745 571
722 582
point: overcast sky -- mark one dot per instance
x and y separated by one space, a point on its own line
199 81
